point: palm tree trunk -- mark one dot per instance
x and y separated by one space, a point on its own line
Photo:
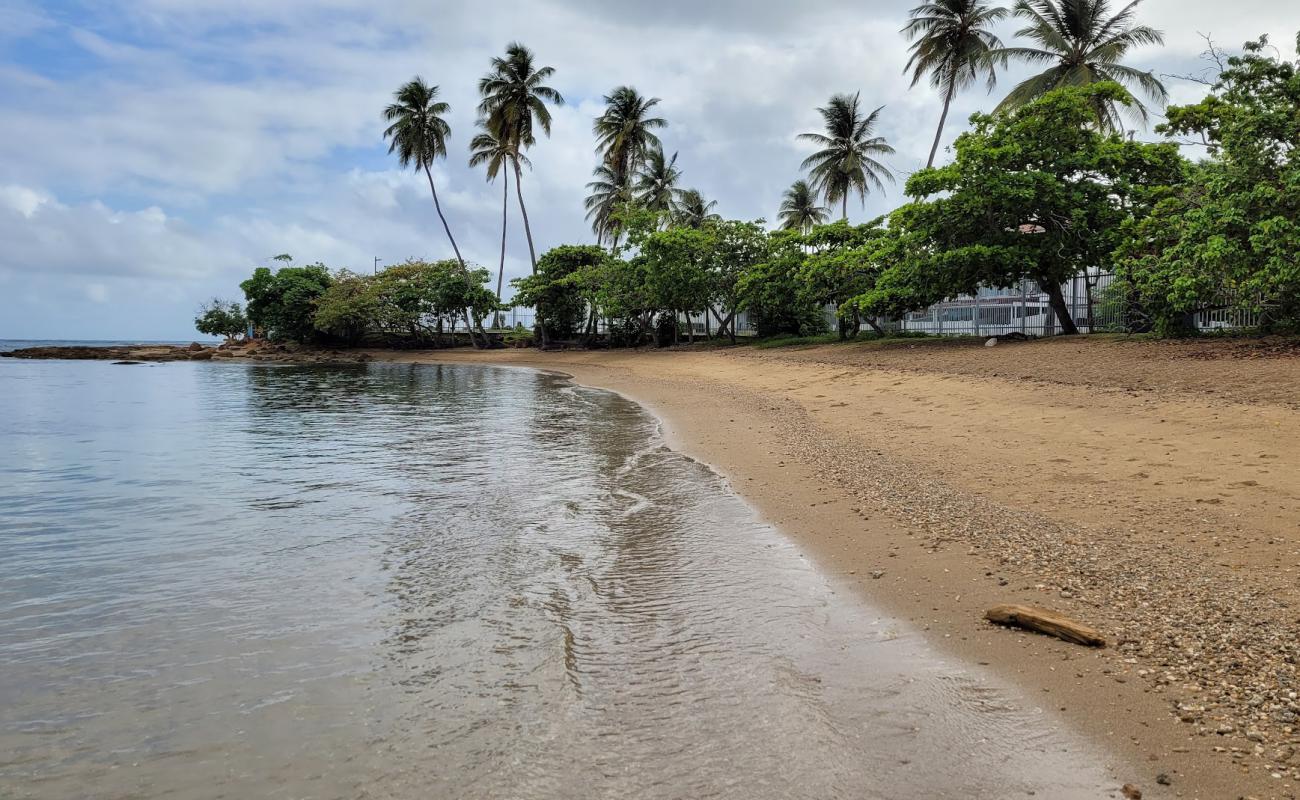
438 207
528 232
501 269
845 205
464 270
947 101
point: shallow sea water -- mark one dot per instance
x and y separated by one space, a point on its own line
412 581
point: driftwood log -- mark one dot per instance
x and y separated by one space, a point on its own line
1045 621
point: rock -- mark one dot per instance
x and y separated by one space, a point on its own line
878 574
1131 792
1164 780
1045 621
992 342
194 347
125 363
201 355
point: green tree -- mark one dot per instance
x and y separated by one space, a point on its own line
676 267
843 264
953 46
846 163
770 291
1227 235
283 303
799 209
1082 43
556 291
219 317
418 134
1038 194
349 308
737 247
514 102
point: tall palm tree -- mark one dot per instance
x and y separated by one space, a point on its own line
951 44
799 210
605 199
514 101
845 164
625 132
656 183
1082 43
691 209
490 148
418 135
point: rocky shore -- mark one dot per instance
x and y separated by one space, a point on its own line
240 351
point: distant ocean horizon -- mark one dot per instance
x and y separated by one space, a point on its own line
17 344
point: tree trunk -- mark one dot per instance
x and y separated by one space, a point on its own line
844 205
875 326
1057 301
464 270
501 268
947 101
528 232
438 207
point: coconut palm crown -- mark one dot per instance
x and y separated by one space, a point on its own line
952 46
1082 43
625 131
799 209
846 162
691 210
656 183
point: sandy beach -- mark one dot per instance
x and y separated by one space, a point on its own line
1149 489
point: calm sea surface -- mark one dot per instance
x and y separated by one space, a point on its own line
401 581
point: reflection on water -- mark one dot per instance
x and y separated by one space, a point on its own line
401 581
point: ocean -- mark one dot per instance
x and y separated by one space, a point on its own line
417 581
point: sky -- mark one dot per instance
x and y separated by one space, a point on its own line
154 152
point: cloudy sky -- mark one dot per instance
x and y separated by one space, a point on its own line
154 152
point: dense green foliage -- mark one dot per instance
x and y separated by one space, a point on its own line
282 304
1228 234
221 318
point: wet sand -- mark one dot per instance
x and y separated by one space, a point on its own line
1150 489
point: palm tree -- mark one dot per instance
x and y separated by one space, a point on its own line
1084 44
799 210
845 164
625 133
514 101
691 209
606 197
492 149
656 183
419 134
952 44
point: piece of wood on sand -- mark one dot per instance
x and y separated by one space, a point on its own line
1046 621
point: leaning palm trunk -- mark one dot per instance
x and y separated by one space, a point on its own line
438 207
464 270
528 231
501 268
943 118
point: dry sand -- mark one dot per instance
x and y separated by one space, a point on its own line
1149 489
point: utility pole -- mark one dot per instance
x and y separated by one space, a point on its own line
376 265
